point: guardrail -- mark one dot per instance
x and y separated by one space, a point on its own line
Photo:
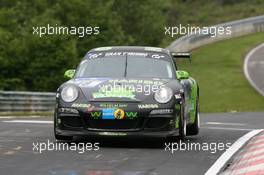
238 28
19 101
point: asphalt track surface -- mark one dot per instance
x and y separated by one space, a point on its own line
117 155
254 68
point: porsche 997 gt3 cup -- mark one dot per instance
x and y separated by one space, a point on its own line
127 91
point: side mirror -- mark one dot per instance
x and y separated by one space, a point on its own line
69 73
181 74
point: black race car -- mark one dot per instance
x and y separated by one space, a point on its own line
127 91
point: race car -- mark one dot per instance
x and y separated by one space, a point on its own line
127 91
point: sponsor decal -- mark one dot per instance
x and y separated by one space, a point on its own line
161 111
119 114
140 54
114 94
96 114
133 81
131 115
108 113
157 56
88 106
80 105
111 113
148 106
94 55
110 105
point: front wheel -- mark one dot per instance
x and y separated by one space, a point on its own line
194 128
182 122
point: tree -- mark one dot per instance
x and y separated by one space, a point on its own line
31 62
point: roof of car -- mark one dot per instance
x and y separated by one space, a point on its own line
131 49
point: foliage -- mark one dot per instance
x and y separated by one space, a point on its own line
30 62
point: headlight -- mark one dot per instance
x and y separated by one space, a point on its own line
69 93
163 95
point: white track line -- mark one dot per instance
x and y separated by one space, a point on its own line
221 123
11 117
222 160
231 129
29 121
248 56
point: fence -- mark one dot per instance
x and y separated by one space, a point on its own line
13 101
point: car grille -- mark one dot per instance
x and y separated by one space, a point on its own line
71 121
157 123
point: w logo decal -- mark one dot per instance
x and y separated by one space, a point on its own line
96 115
131 115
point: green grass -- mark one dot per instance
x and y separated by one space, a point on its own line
218 68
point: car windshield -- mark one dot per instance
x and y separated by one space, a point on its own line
134 67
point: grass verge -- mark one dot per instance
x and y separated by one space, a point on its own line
218 68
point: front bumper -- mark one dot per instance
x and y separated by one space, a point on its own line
145 124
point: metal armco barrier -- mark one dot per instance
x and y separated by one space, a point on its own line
18 101
238 28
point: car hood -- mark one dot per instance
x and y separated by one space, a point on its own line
122 89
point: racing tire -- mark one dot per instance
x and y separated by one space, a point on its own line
182 123
194 128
